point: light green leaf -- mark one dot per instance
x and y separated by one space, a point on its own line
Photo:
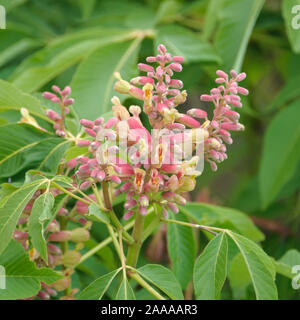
97 214
181 42
181 249
210 19
285 264
60 55
237 19
41 211
74 152
24 146
229 218
292 19
12 208
93 81
260 267
11 98
125 291
163 278
21 276
281 152
239 276
97 288
211 269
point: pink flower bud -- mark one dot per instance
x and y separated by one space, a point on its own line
188 121
136 93
145 67
101 175
53 249
215 124
197 113
66 91
52 115
177 67
60 236
128 215
87 123
62 212
175 84
178 59
55 88
144 200
53 226
165 213
173 207
91 132
110 123
233 74
85 185
213 166
43 295
220 80
206 97
222 74
151 59
83 143
161 49
130 204
55 99
48 95
242 91
241 76
143 210
69 102
18 235
61 284
60 133
72 163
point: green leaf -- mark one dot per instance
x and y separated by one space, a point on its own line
229 218
93 81
24 146
181 249
97 288
11 98
125 291
60 55
260 267
180 41
74 152
239 276
237 19
210 20
287 93
41 211
285 264
95 212
281 152
21 276
290 18
211 269
12 208
163 278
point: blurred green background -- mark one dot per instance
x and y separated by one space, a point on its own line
82 42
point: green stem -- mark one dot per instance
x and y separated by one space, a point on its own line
137 234
70 193
193 225
134 275
113 217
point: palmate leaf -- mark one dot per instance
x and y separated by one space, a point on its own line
93 81
22 278
61 54
211 269
233 219
12 208
181 249
163 278
281 152
237 19
24 146
97 288
40 213
182 42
